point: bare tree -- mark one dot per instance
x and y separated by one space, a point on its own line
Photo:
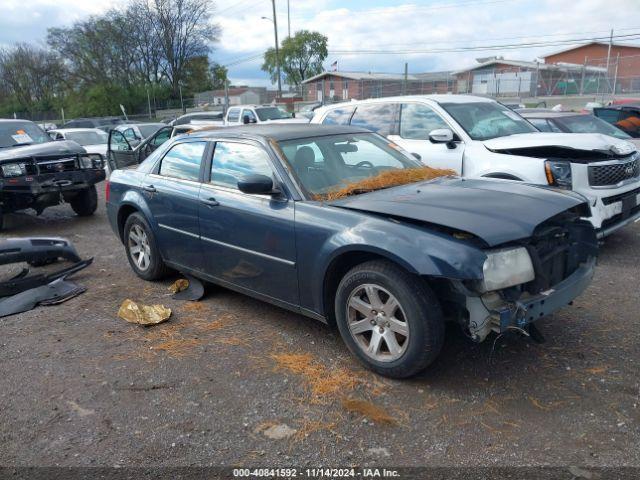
185 32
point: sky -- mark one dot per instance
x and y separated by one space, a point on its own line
368 25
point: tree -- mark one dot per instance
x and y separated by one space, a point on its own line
198 75
218 76
185 32
31 77
301 57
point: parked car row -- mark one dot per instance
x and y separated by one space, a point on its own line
385 217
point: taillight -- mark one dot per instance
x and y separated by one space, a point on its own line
107 191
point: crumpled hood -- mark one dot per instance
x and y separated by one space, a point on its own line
497 211
576 141
61 147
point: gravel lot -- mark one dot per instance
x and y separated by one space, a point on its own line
233 381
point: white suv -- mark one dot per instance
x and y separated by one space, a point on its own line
478 137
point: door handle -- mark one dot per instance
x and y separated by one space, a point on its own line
149 188
210 202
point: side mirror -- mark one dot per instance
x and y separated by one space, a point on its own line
417 156
247 119
442 135
256 184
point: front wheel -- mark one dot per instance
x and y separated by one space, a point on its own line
142 251
389 318
85 202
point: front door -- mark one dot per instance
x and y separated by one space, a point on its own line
172 194
417 120
247 240
120 153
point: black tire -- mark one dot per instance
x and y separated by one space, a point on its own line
417 304
85 203
156 268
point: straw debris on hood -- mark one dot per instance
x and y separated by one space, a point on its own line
387 179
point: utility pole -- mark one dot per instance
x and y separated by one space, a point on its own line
406 78
288 20
149 103
181 101
275 31
226 95
615 77
609 60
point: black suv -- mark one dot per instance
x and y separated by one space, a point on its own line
37 172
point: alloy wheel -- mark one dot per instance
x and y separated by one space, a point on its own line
377 323
139 248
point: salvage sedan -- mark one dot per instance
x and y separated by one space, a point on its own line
338 224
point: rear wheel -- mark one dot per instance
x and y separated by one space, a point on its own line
389 319
85 202
142 250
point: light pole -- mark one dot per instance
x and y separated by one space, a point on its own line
275 32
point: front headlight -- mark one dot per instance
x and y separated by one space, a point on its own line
13 170
558 173
505 268
92 160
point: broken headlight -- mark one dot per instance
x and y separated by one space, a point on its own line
505 268
558 173
13 170
92 160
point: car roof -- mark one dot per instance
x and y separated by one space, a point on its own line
7 120
253 106
550 114
437 98
78 130
281 131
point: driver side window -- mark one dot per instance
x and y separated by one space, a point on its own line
417 121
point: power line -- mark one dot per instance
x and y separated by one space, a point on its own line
635 36
505 38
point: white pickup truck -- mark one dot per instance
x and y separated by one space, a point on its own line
247 114
478 137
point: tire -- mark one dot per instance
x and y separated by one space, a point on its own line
410 330
138 233
85 203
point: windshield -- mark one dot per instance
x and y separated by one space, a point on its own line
486 120
271 113
13 134
590 124
88 138
148 130
339 165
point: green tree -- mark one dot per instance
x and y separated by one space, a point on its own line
218 76
301 57
198 75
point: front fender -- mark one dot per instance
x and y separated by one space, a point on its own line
419 249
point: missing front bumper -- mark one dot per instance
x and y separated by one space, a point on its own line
495 314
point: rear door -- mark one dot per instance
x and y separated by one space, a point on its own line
120 153
247 240
172 193
417 120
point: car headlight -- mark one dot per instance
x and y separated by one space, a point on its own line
558 173
13 170
92 160
505 268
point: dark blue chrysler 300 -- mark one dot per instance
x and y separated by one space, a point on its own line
255 209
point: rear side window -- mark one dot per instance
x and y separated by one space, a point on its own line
338 116
381 118
232 161
234 115
417 121
607 114
183 161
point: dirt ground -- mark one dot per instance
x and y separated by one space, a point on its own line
233 381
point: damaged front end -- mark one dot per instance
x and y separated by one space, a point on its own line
530 279
24 292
